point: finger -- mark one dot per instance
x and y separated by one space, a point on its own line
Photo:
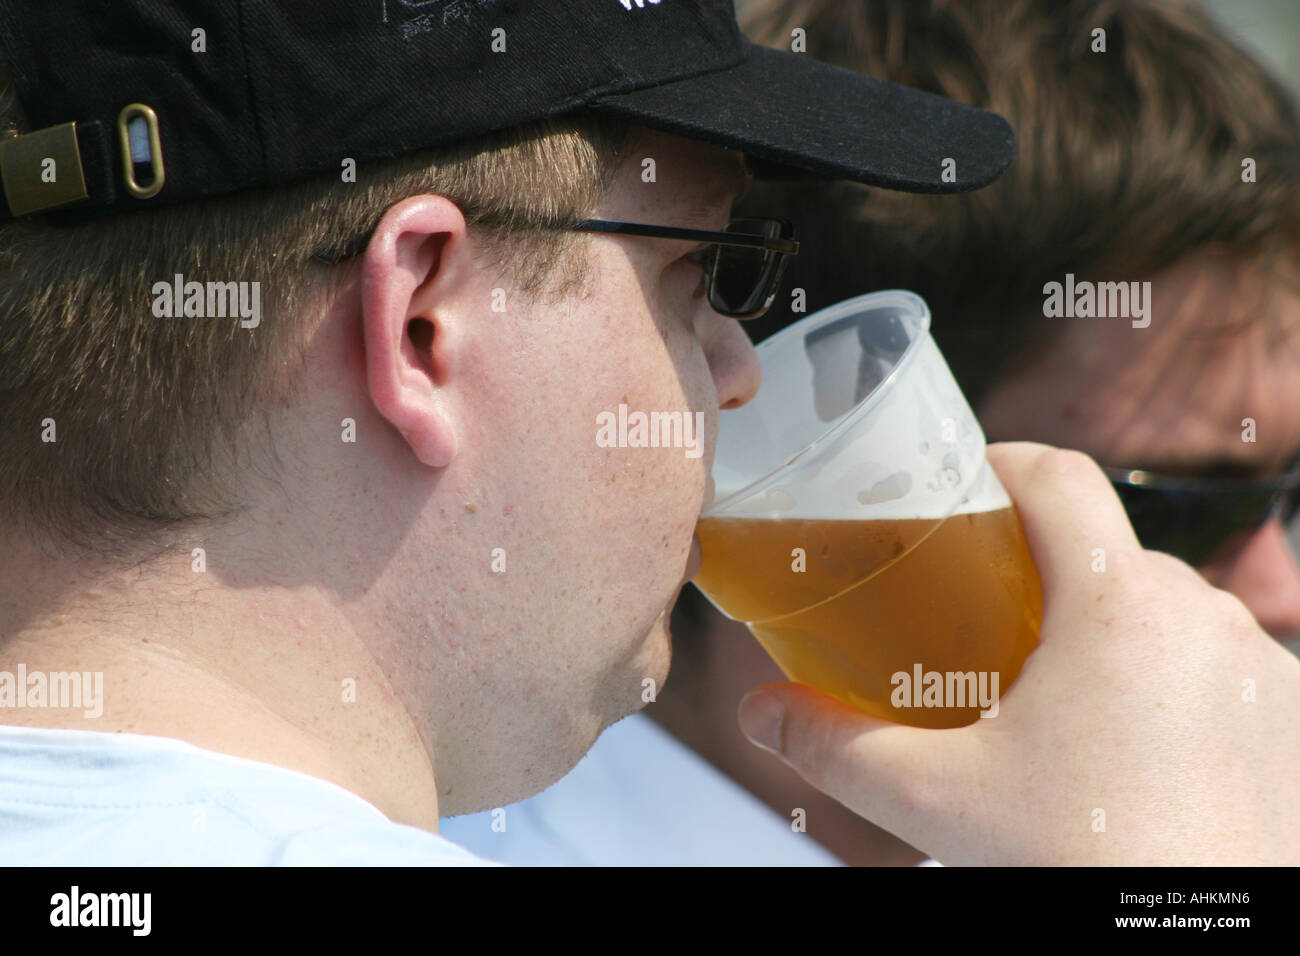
1073 520
875 768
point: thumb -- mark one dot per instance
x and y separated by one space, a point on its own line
875 768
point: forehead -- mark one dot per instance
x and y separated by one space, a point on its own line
1222 351
697 182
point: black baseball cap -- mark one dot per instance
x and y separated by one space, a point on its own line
146 102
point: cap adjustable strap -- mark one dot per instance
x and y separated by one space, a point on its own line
55 167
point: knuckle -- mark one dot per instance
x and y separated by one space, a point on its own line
1154 579
1065 465
1040 464
1230 611
1131 576
1069 461
803 742
1171 564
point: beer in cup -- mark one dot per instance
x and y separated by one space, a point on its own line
857 529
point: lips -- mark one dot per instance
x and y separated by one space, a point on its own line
696 558
697 553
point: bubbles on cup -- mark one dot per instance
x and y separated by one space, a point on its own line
948 476
890 488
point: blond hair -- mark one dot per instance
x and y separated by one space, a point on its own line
150 415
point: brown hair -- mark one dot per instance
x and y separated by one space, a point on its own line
153 417
1128 160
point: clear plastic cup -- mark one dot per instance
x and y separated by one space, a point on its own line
857 529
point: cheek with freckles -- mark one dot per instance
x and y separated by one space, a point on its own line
644 500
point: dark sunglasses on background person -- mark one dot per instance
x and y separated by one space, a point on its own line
1193 518
743 265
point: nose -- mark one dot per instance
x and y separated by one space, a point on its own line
1264 574
733 362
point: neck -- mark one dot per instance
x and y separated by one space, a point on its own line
271 673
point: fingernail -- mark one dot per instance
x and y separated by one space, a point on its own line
761 714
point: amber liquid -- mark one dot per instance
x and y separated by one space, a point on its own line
878 597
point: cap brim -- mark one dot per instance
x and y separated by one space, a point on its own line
789 110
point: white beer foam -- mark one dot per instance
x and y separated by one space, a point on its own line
786 501
916 453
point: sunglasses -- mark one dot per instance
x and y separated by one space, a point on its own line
743 265
1192 518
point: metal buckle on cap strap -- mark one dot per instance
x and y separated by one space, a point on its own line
138 139
42 170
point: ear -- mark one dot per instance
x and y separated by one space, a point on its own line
417 254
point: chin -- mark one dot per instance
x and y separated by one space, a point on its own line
652 662
663 628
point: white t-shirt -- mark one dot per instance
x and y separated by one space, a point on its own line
82 798
640 798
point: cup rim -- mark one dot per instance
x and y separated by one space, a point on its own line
854 304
